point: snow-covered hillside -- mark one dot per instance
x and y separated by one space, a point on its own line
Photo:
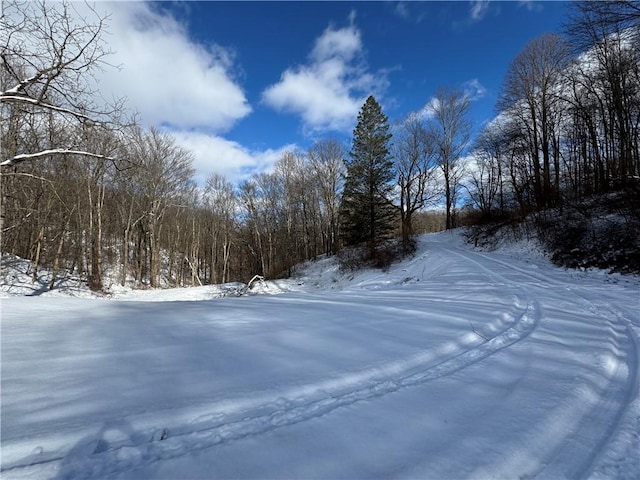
454 364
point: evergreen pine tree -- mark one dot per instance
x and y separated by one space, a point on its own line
366 213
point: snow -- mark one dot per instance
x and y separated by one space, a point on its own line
457 363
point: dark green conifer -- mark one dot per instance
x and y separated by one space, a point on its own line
367 213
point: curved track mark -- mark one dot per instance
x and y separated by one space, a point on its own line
294 407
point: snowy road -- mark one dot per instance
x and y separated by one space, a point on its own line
455 364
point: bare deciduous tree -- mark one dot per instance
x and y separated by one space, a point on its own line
164 178
486 179
416 165
326 159
220 200
49 51
530 93
450 129
607 96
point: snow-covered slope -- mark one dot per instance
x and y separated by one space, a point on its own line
454 364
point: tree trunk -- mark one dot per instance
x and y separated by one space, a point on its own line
36 256
56 260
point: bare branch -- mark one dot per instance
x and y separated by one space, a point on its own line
46 153
32 101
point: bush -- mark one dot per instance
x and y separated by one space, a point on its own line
351 259
380 256
602 232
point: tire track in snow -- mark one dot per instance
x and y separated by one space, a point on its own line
596 411
99 458
613 402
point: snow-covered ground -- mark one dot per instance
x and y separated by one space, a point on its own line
454 364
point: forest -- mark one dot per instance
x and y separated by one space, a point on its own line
87 190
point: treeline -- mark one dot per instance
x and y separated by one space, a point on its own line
569 116
142 219
85 190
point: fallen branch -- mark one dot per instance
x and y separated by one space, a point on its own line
477 333
256 278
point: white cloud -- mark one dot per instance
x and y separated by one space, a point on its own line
409 13
531 5
328 91
341 44
478 9
165 76
216 154
402 10
473 89
429 109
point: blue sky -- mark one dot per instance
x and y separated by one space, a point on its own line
241 82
